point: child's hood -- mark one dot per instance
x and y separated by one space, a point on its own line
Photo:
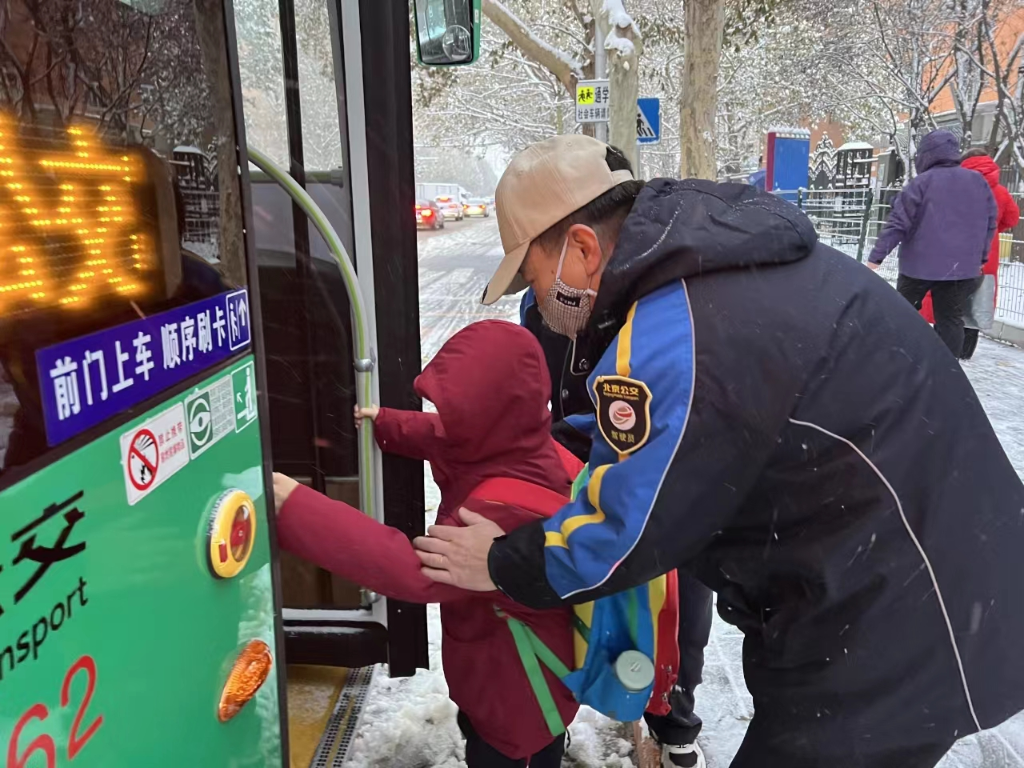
491 387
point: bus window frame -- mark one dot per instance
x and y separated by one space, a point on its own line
19 473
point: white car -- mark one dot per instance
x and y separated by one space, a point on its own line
450 207
477 207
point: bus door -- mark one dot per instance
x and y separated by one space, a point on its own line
137 589
307 112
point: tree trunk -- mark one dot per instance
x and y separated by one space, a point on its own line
698 105
624 87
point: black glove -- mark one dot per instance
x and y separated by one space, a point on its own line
570 438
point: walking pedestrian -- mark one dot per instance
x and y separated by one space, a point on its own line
782 425
1008 215
943 221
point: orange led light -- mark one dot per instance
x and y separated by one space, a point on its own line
99 253
249 672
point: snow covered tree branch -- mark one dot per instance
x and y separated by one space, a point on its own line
558 63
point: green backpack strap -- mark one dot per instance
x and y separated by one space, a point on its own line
532 652
580 481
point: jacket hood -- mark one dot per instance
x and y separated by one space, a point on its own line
986 166
491 387
679 229
938 148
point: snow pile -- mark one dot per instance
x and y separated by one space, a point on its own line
409 722
619 19
594 740
785 130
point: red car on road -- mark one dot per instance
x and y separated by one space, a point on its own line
428 215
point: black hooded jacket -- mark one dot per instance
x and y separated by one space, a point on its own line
834 479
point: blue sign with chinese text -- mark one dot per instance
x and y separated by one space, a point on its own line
87 380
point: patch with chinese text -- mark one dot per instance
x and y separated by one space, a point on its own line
623 412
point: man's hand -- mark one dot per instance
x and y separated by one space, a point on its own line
458 556
873 267
370 413
283 487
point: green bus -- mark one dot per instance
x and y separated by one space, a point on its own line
183 311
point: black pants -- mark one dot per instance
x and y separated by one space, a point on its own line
681 725
480 754
785 743
970 343
950 300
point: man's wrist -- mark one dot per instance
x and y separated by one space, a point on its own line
515 564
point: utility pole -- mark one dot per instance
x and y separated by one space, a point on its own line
600 58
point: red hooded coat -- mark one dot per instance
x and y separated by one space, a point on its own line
490 386
1006 218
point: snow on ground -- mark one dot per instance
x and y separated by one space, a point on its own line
410 722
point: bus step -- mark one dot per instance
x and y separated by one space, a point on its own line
344 720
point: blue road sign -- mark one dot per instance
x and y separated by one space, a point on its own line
648 121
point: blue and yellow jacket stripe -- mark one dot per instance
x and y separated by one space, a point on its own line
587 539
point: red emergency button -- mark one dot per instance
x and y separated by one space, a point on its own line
232 534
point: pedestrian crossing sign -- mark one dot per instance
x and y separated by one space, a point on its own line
648 121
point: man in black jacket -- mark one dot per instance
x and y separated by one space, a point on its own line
776 419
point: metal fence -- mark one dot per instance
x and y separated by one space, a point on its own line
850 220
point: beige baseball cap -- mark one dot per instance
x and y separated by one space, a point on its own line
541 186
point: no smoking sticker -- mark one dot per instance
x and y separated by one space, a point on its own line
143 460
153 452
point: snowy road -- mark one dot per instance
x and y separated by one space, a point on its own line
410 723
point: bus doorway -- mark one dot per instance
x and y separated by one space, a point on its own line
338 74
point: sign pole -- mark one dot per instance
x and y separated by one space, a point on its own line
601 66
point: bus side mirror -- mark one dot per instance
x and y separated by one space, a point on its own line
447 32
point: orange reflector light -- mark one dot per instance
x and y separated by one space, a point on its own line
248 674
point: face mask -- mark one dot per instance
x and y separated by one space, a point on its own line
565 309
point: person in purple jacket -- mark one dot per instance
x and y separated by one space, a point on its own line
943 221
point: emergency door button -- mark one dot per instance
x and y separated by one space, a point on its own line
231 534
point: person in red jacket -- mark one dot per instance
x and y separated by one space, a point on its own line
1007 217
491 432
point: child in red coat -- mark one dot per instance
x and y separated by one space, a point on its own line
489 440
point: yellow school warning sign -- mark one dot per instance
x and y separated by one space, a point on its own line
592 101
